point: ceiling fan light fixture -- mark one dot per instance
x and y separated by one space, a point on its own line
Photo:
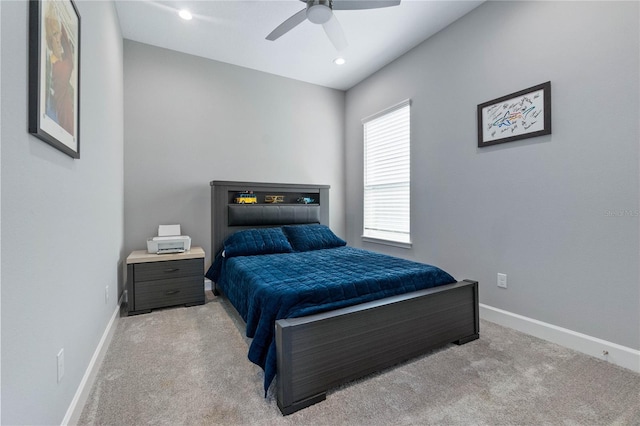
319 11
185 14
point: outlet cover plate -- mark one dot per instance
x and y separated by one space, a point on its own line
502 280
60 364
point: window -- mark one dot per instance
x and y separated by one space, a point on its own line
387 198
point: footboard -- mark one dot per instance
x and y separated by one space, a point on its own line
318 352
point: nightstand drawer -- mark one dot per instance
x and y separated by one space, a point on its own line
168 269
168 292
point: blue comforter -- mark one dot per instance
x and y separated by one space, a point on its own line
265 288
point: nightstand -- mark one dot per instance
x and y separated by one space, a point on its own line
161 280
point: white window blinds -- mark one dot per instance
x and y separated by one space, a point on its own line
387 143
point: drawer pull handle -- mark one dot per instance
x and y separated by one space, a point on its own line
172 270
172 292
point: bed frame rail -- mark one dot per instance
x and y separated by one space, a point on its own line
318 352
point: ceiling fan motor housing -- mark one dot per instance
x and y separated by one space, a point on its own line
319 11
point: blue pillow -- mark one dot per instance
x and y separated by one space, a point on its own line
256 241
312 237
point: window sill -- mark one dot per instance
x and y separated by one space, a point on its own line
386 242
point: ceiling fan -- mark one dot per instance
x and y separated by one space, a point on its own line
321 12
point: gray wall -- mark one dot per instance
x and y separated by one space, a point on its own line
190 120
534 209
62 222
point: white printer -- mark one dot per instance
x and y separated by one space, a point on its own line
169 240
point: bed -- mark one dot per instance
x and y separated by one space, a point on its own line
322 335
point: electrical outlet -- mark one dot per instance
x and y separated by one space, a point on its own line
106 294
60 365
502 280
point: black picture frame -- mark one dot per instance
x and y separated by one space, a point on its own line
54 74
519 115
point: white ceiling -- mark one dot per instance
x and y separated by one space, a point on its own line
234 31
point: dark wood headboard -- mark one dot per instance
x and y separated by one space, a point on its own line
227 216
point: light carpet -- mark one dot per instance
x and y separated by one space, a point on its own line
189 366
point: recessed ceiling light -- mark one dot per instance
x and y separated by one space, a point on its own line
339 61
185 14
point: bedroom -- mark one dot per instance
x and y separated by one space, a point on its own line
533 209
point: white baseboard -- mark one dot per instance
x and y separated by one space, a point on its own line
207 284
82 393
615 354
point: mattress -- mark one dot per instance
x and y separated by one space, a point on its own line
267 287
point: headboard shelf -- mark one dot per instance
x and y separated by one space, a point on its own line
286 197
290 204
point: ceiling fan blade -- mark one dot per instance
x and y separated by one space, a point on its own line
362 4
334 31
288 25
